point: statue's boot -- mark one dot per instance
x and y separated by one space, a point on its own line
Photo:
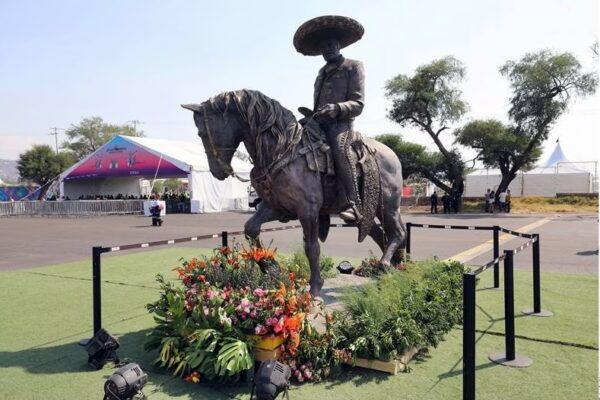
344 174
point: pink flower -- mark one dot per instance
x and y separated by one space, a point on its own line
278 311
307 374
245 302
260 329
279 326
260 292
253 314
205 310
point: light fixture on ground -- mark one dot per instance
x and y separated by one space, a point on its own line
345 267
101 349
270 380
126 383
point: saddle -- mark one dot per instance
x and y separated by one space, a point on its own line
365 171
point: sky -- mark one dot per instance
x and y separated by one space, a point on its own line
62 61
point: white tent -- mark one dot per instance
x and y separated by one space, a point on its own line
120 165
556 175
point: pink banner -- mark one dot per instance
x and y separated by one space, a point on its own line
123 158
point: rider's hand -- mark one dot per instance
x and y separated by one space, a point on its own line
329 110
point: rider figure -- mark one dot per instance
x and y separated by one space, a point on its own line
339 93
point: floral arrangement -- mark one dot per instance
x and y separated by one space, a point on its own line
208 322
228 293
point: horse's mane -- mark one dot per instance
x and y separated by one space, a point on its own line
273 127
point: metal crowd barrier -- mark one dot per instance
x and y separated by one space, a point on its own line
97 261
509 357
68 207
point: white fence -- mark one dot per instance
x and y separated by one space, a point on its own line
78 207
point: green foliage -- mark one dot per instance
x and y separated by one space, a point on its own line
542 85
299 265
206 343
41 164
403 309
91 133
430 97
498 145
410 154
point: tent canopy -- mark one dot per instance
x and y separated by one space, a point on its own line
118 166
126 156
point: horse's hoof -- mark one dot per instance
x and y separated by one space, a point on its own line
315 287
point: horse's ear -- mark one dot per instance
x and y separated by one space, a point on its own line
193 107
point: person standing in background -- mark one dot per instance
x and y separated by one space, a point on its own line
502 201
434 203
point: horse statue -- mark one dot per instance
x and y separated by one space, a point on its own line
277 144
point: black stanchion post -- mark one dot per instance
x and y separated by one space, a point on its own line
537 301
509 305
496 255
537 287
96 287
509 358
408 225
468 336
224 238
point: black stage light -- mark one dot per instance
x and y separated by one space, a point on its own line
271 379
126 383
345 267
101 349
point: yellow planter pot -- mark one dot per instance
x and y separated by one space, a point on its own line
270 342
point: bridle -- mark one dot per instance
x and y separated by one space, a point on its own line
215 151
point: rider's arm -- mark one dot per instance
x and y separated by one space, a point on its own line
356 93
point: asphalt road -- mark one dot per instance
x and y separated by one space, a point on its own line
569 243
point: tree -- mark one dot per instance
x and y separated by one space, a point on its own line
417 161
91 133
543 84
429 101
408 153
42 165
498 145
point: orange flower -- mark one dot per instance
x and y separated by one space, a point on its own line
280 294
293 342
292 305
293 324
258 253
194 377
292 276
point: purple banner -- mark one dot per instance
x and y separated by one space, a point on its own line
123 158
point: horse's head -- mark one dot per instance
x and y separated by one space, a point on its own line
221 129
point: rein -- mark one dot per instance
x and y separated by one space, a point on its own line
215 151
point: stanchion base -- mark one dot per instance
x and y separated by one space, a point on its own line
542 313
84 342
520 361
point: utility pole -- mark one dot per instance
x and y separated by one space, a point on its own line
135 123
55 134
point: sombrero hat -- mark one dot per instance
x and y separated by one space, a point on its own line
310 35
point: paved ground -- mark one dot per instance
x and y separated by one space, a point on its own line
569 243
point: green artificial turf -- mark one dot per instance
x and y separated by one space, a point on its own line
45 311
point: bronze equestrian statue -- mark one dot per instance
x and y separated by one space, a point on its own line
294 171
